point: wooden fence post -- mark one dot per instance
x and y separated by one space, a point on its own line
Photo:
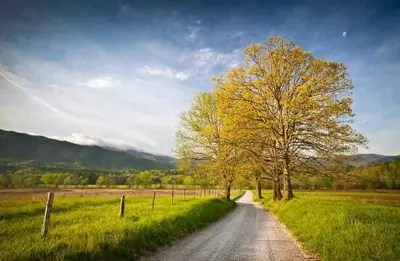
172 197
194 193
154 198
46 219
184 194
122 207
201 192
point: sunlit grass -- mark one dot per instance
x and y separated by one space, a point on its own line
90 228
343 225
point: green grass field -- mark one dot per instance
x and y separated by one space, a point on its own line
90 228
343 225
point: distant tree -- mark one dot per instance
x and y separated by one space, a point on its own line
130 180
58 179
31 181
84 181
112 180
53 179
144 179
5 181
75 180
187 181
166 180
17 180
179 180
48 179
100 181
120 179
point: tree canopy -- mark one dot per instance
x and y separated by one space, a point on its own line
283 112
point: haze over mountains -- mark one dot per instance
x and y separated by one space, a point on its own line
46 151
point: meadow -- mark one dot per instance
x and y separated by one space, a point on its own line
89 228
343 225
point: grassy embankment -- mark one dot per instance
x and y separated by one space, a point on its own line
343 225
90 228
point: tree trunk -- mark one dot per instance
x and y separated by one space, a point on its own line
277 189
287 186
228 191
259 189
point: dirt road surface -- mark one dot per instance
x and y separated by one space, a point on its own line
249 232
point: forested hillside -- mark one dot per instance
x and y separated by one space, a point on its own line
49 152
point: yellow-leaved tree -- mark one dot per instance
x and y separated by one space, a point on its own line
289 109
201 142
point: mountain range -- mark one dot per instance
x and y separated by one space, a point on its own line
368 159
45 151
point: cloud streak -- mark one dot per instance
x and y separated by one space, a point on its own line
165 72
102 82
37 99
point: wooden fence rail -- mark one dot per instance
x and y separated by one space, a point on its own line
50 200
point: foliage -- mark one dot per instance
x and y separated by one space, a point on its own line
282 113
383 175
201 142
144 179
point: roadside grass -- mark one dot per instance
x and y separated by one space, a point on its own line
90 228
237 194
343 225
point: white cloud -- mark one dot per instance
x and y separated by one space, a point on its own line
102 82
194 29
205 59
193 32
82 139
78 138
165 72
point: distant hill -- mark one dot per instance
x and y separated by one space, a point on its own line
42 150
368 159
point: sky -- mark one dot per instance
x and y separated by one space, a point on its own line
121 72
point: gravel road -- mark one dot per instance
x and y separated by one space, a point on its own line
247 233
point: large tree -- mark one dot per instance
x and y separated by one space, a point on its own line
201 142
292 105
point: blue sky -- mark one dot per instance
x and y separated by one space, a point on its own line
121 72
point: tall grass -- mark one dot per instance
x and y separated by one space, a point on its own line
90 229
343 226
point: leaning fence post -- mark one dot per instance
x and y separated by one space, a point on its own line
172 197
184 194
46 219
122 207
194 193
154 197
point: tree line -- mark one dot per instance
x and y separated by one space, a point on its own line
283 114
31 178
